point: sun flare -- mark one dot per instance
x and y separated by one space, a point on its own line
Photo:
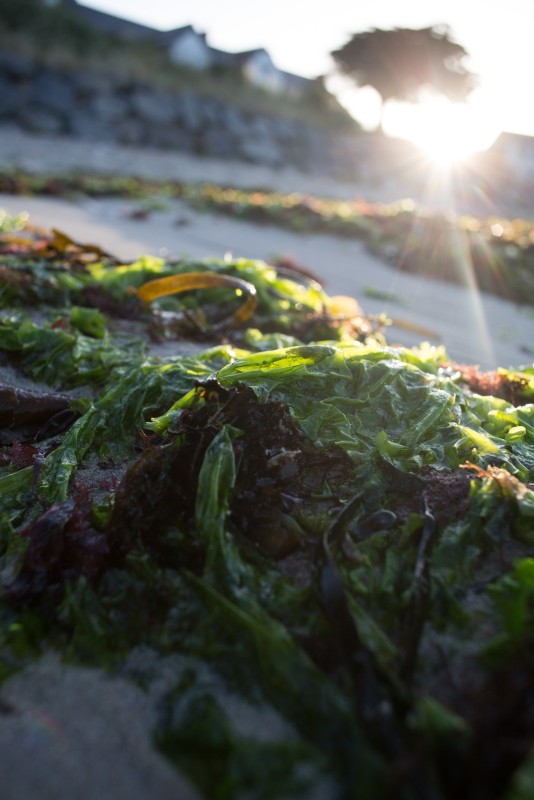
446 132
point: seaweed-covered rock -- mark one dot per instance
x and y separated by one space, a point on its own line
306 527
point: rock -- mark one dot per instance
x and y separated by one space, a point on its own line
17 66
12 97
109 106
261 127
88 83
189 111
309 150
11 128
54 92
41 120
153 106
285 130
350 152
131 131
216 142
85 125
170 137
261 150
234 121
212 111
89 104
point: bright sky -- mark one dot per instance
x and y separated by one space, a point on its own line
299 35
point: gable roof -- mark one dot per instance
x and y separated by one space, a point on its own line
246 55
167 37
108 23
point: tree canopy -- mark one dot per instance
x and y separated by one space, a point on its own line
401 63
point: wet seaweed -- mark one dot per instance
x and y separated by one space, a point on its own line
341 531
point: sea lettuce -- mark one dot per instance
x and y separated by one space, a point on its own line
367 398
110 426
399 497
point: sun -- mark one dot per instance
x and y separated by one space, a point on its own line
446 132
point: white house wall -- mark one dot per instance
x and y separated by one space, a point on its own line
190 50
260 71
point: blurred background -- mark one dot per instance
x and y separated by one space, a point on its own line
283 85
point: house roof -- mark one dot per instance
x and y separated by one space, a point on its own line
297 82
166 37
518 141
245 55
107 23
222 58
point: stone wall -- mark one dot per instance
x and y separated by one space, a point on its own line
90 105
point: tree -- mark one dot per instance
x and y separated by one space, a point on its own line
402 62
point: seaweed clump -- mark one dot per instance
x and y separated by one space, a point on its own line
340 531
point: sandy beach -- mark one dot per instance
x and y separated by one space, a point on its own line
474 327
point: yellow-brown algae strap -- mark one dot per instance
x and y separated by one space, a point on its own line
201 280
414 327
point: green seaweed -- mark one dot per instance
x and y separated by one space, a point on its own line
291 517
